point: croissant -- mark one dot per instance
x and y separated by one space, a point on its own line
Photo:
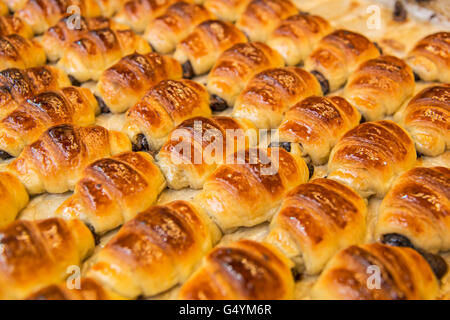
17 85
380 86
122 85
376 272
27 122
18 52
86 58
337 56
427 119
14 25
156 250
316 220
200 49
261 17
38 253
89 290
241 270
369 157
55 162
316 124
4 10
246 190
165 106
235 67
113 190
297 36
179 20
430 58
226 10
196 146
269 94
13 198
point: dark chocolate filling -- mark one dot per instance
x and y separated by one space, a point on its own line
217 103
295 274
380 50
188 71
310 169
324 84
416 77
103 107
399 14
74 81
141 143
419 154
5 155
362 120
285 145
96 236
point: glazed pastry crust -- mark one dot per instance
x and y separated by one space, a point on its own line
226 10
405 274
370 156
427 119
418 207
13 198
37 253
122 85
242 270
237 65
14 25
18 52
156 250
380 86
317 123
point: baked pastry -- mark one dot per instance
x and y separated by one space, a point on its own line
427 119
337 56
123 84
369 157
380 86
246 190
4 10
261 17
165 106
18 52
269 94
351 275
316 220
297 36
89 290
13 198
14 25
180 19
86 58
196 146
226 10
430 58
235 67
55 162
138 13
200 49
113 190
37 253
156 250
17 85
27 122
316 124
243 270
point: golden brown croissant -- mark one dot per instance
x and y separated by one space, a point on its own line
38 253
246 190
156 250
4 10
18 52
235 67
14 25
13 198
380 86
196 146
113 190
316 124
269 94
180 19
226 10
86 58
427 119
297 36
369 157
376 272
430 58
27 122
122 85
316 220
165 106
89 289
336 57
200 49
55 162
17 85
241 270
261 17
